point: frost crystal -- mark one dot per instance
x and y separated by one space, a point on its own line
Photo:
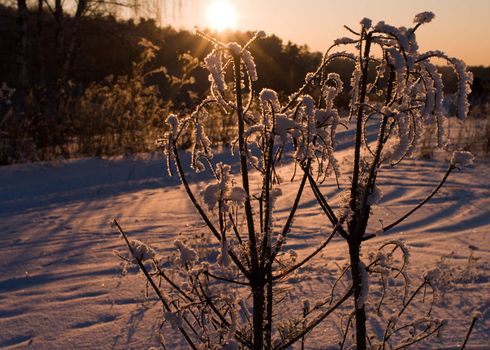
234 48
202 145
354 83
141 251
403 247
238 195
223 190
366 22
214 66
187 254
361 300
398 33
423 17
211 195
309 76
250 64
464 87
261 34
344 41
462 158
173 122
269 96
283 126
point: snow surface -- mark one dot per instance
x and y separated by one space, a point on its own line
61 286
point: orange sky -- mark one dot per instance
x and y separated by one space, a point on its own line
461 27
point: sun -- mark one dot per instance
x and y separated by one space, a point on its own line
221 15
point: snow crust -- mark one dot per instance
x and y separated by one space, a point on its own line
56 245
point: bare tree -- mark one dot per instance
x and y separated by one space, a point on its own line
23 37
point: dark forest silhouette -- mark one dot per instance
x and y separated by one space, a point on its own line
83 85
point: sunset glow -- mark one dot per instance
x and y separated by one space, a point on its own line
317 23
221 15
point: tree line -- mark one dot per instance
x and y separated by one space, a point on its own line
84 87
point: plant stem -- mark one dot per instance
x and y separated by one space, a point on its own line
390 226
257 276
314 322
152 283
360 113
360 312
469 332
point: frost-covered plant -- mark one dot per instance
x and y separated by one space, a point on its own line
405 97
223 295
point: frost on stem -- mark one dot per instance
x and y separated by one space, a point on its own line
361 300
314 132
138 252
187 254
224 190
246 57
173 123
234 48
366 23
462 159
250 65
202 146
354 83
167 142
269 99
415 95
284 126
403 247
423 17
397 61
465 79
141 251
215 67
344 41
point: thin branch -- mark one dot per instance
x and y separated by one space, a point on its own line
345 333
226 279
321 199
358 140
152 283
238 335
289 220
235 229
315 322
418 339
325 206
325 62
308 258
172 283
201 212
243 166
469 332
390 226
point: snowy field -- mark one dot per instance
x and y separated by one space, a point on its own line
61 286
